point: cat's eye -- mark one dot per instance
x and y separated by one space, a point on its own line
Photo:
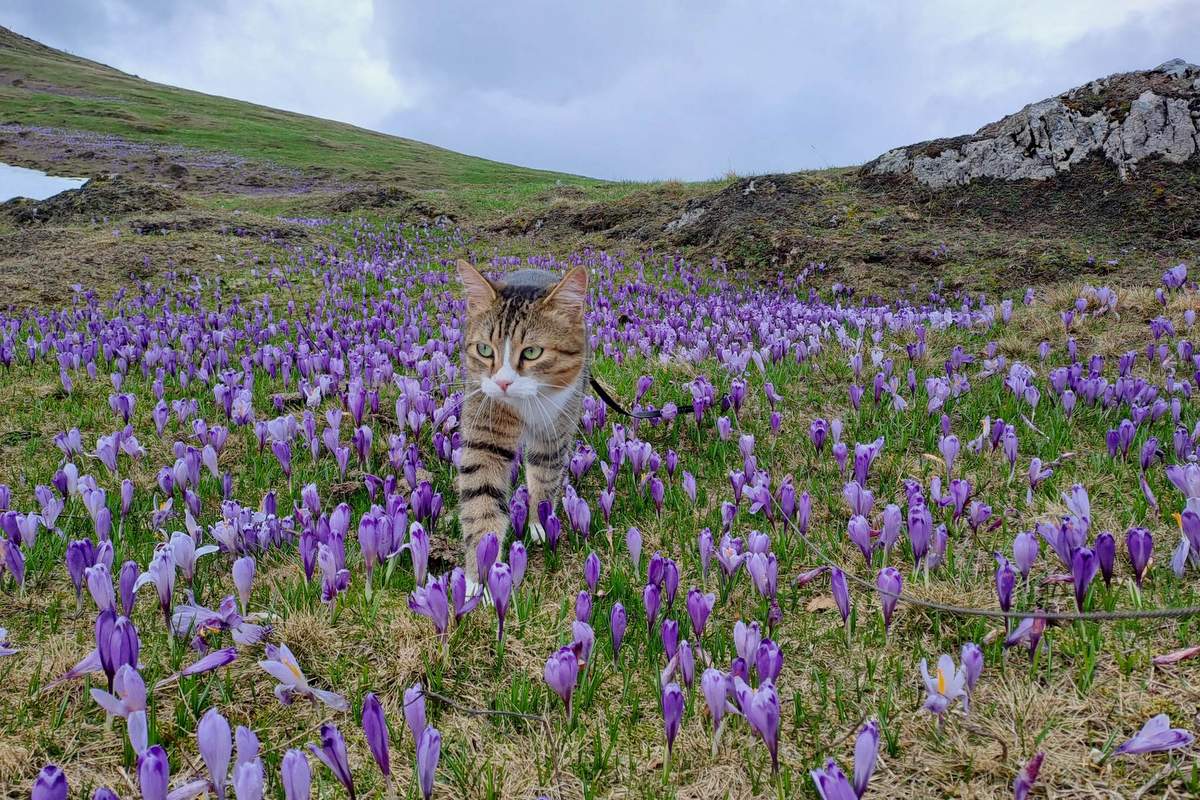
484 350
531 353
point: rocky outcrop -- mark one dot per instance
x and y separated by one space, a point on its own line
1125 118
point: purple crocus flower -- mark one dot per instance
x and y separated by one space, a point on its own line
1106 555
418 548
893 520
1025 552
332 753
295 775
945 686
841 592
858 499
243 579
715 686
1140 546
1155 736
832 783
1030 629
1186 478
768 660
633 544
689 485
591 571
818 431
121 647
618 621
866 753
486 552
414 710
699 607
1025 779
972 666
804 511
215 742
431 601
282 665
859 531
1084 566
500 584
560 673
375 728
518 513
920 528
429 750
334 579
651 598
583 606
761 709
672 708
518 560
463 604
730 555
81 554
129 703
186 554
99 582
764 571
160 574
50 784
890 584
670 637
1006 581
154 778
949 446
583 643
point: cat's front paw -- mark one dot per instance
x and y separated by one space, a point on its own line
475 588
537 534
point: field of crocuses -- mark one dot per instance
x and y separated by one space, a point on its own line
229 542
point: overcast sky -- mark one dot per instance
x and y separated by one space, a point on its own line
630 88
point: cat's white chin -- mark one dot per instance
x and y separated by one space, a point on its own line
537 534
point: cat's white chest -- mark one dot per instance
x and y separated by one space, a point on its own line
541 416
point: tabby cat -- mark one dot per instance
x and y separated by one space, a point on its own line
525 355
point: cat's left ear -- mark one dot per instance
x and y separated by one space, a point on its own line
570 294
480 292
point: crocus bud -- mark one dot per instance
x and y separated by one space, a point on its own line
375 729
618 621
50 784
890 583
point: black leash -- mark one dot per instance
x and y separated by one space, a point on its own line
654 413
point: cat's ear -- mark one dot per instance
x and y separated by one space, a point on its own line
480 292
570 294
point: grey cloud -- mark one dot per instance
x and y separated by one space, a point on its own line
635 89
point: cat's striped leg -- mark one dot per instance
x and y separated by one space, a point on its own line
490 435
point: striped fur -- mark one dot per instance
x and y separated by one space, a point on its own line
517 397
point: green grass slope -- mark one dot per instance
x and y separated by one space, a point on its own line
46 87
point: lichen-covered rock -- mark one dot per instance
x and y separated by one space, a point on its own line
1126 118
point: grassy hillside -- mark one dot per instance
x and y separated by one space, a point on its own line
46 87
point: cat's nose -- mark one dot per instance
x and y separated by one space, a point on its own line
503 384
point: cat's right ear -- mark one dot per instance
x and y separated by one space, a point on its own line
480 292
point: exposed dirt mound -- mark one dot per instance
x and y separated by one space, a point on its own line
1161 203
192 223
640 216
97 199
749 209
393 199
